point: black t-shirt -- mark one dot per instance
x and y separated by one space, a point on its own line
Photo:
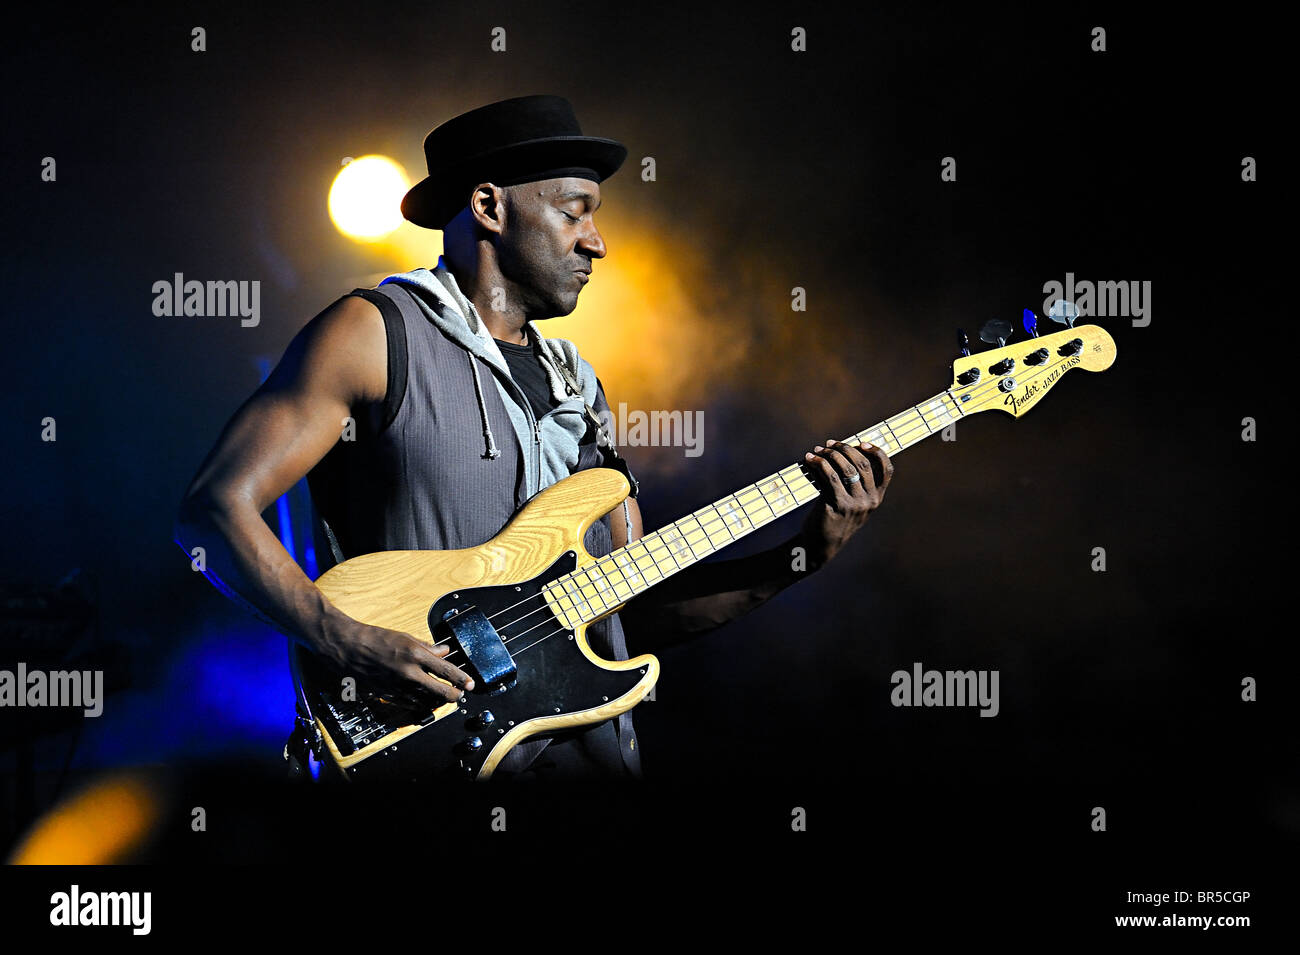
528 373
526 368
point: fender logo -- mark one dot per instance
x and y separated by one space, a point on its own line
1035 390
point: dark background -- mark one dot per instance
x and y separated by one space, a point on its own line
1118 689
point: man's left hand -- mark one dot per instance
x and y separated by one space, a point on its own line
846 502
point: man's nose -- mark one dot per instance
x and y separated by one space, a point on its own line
592 243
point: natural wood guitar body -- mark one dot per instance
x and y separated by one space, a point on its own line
396 589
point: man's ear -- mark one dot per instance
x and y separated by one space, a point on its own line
487 206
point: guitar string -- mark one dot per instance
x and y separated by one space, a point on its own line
717 518
909 433
904 443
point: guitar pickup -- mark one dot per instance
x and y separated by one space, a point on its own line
491 663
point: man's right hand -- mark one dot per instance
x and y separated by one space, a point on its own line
390 661
335 370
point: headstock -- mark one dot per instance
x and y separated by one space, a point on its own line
1015 377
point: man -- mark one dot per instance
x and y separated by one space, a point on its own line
462 412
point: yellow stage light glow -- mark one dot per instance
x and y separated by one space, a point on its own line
365 201
101 825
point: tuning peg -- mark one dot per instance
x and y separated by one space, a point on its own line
963 343
1031 323
996 330
1063 312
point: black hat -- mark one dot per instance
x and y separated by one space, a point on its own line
516 140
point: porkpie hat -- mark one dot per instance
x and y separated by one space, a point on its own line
523 139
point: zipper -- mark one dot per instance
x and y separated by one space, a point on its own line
537 425
537 430
537 442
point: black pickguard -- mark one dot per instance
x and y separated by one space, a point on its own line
552 677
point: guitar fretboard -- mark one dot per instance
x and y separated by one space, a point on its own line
611 581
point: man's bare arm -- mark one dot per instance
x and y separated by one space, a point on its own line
336 367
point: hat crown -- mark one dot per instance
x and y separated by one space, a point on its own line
498 125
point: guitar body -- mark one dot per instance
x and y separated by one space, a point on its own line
533 674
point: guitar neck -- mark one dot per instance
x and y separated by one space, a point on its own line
611 581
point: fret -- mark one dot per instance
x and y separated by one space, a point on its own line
803 489
753 503
758 507
911 433
721 520
622 561
902 427
552 594
941 412
921 414
561 598
685 537
676 544
586 587
806 490
659 552
657 542
610 580
619 572
874 436
905 430
737 523
714 525
641 559
753 506
598 579
955 403
893 437
707 542
628 563
784 499
597 587
575 594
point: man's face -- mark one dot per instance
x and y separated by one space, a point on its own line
548 243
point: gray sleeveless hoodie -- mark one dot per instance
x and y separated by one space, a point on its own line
449 461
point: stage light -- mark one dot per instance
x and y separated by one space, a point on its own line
365 200
103 824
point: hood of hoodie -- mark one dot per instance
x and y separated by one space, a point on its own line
549 444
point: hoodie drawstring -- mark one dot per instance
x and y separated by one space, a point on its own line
491 450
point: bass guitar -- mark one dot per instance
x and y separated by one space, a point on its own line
515 609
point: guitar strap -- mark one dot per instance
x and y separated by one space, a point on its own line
604 439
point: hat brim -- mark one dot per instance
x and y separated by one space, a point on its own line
435 200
